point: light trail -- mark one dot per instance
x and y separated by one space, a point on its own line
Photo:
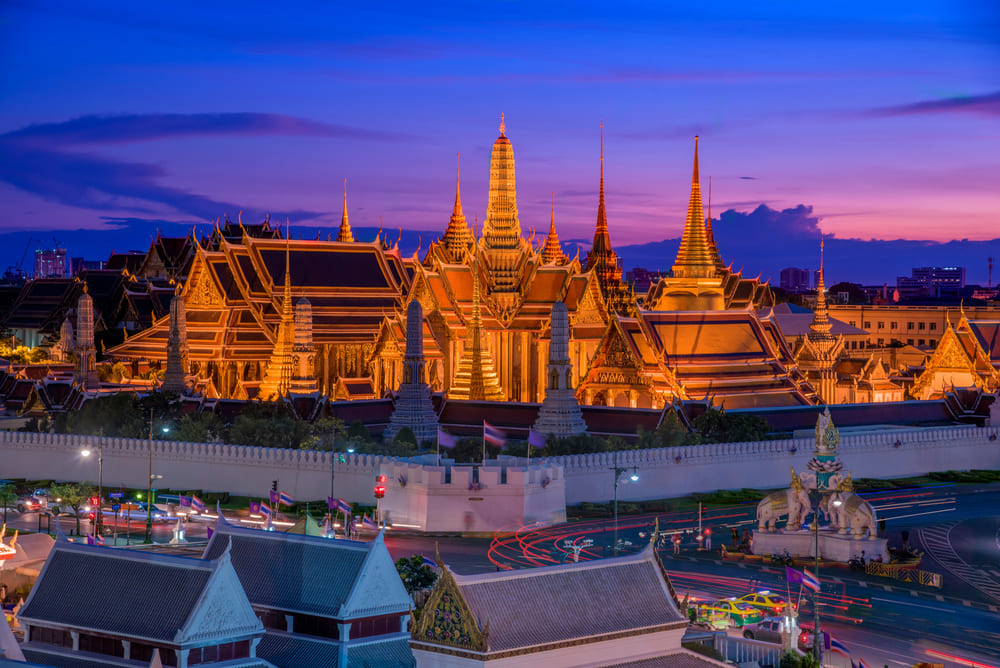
958 659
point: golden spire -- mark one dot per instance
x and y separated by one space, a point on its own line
278 377
602 258
821 324
457 237
503 127
694 258
476 378
552 252
345 233
501 240
708 231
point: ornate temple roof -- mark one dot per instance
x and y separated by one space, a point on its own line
695 257
525 611
552 252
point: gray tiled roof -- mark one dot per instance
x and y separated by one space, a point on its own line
291 572
117 591
557 603
55 659
384 653
680 659
293 651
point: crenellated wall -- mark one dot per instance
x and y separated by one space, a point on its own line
305 474
673 472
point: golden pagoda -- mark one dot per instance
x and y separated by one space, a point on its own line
278 377
552 252
345 234
504 252
476 377
457 239
696 283
819 352
603 260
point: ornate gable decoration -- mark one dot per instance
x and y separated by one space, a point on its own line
447 619
223 611
377 588
588 311
204 292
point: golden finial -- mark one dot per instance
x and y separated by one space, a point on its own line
503 126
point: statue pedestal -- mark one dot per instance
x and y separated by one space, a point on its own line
832 545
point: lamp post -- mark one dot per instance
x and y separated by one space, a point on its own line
99 511
618 472
149 483
815 496
334 456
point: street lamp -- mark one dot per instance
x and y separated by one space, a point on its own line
149 484
99 511
618 474
815 495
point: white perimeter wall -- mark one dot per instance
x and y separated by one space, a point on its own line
305 474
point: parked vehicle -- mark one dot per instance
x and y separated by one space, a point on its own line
31 504
776 630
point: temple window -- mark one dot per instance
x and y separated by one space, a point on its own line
921 325
881 325
909 325
909 341
59 637
868 324
881 342
107 645
933 325
893 325
932 342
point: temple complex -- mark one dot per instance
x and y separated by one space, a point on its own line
702 332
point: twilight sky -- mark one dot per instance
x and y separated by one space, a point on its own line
123 118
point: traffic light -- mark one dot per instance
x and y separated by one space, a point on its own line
379 486
274 485
94 501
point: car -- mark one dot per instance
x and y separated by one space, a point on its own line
769 603
31 504
777 629
133 512
738 612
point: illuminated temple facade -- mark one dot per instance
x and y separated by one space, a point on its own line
487 299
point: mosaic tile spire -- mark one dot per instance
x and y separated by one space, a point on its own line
413 407
501 240
345 234
560 413
602 257
552 252
85 371
303 379
476 378
457 238
177 348
278 379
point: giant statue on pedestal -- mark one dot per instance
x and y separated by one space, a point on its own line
843 524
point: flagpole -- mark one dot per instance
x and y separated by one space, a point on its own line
484 442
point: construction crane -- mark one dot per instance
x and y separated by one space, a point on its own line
15 273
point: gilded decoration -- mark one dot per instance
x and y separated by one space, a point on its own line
447 619
587 311
204 293
827 436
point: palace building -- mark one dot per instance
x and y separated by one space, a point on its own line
266 316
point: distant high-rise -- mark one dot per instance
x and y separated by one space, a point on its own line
50 263
794 279
932 282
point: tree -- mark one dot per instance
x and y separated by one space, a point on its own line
326 434
721 427
268 424
197 428
415 574
793 660
73 495
7 498
670 433
117 415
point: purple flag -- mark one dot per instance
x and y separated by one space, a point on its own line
254 508
185 501
446 440
536 439
331 503
273 497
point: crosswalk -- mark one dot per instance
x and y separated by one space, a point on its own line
937 543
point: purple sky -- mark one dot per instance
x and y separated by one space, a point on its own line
882 117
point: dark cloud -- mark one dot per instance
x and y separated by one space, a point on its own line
151 127
92 182
988 105
764 241
748 178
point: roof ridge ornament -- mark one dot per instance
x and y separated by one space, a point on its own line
503 126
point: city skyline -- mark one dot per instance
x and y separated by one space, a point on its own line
864 123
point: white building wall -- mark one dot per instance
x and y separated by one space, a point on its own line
305 474
588 655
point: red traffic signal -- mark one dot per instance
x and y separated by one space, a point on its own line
379 486
94 501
